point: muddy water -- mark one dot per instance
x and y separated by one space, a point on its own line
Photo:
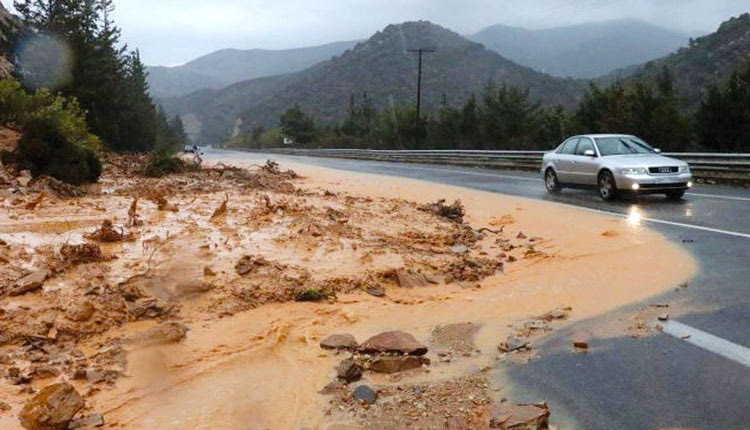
263 368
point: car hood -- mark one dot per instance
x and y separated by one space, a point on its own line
642 160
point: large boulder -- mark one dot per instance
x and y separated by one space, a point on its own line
52 408
339 341
394 342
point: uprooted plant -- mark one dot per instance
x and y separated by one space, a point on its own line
454 212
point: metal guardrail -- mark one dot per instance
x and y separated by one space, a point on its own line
733 168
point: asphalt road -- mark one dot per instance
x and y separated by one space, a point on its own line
624 383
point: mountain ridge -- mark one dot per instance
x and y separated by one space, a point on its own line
584 50
228 66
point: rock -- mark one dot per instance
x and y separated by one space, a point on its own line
581 345
52 408
171 332
365 394
150 307
459 249
512 344
23 181
30 282
332 388
208 271
4 407
521 236
376 291
44 371
248 264
349 371
522 417
388 364
339 341
81 312
411 280
87 422
396 342
664 317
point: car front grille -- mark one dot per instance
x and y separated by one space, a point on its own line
664 170
664 186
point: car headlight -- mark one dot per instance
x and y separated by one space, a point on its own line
634 171
684 169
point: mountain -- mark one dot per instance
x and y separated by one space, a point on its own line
210 115
706 61
582 51
225 67
383 68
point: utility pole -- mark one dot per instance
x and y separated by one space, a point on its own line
419 81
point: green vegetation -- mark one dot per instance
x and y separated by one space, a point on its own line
79 91
298 126
506 118
162 162
652 113
312 295
56 140
723 120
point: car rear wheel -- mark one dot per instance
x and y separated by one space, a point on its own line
607 186
675 195
551 182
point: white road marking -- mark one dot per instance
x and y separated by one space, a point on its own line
709 342
716 196
661 221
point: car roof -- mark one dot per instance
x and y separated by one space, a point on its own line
605 135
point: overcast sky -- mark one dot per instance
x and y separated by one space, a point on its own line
170 32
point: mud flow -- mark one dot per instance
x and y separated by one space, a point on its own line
252 295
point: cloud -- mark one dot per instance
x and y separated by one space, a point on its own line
175 31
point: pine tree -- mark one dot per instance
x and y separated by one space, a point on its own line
109 82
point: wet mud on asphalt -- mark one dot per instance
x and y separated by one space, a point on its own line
639 382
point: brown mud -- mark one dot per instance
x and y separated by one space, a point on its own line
187 313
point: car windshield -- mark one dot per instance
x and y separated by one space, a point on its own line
622 146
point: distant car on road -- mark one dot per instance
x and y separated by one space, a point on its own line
613 163
190 149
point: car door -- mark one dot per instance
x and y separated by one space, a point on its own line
584 168
564 161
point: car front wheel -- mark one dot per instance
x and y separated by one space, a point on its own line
551 182
607 186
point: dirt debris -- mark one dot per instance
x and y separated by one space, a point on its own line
108 233
454 212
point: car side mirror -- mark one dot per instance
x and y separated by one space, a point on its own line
657 150
589 153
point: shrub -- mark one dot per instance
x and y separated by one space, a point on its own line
163 162
45 148
55 138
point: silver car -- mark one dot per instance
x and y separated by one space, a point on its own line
613 163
